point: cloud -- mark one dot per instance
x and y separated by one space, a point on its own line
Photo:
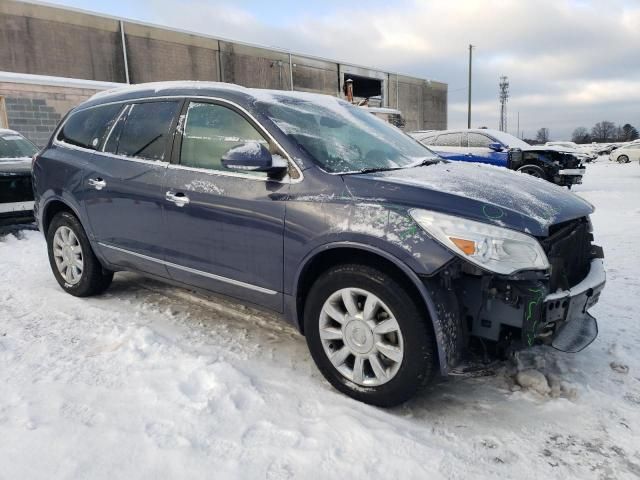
569 62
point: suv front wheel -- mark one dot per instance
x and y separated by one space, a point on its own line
72 260
368 336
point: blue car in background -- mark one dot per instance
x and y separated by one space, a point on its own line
493 147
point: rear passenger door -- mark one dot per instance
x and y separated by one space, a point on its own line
478 150
225 228
124 193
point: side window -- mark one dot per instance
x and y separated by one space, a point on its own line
145 132
448 140
87 128
113 137
477 140
210 131
428 140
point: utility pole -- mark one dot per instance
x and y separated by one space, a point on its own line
504 98
518 130
469 106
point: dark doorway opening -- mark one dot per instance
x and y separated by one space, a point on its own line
364 87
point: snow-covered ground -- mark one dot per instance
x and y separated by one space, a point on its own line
150 381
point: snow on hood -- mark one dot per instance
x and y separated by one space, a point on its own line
481 192
549 148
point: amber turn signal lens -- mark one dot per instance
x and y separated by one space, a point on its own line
467 246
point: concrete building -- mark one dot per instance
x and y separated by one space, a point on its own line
53 58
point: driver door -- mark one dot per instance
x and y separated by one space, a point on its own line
480 151
225 228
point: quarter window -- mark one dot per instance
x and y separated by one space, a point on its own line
210 130
87 128
477 140
146 131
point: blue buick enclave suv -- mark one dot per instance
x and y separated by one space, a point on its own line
393 263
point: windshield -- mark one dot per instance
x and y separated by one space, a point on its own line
509 140
16 146
343 138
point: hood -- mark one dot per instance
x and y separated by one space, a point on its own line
15 166
548 148
479 192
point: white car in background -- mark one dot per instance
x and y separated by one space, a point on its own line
626 154
585 152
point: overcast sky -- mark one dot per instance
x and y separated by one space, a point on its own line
570 62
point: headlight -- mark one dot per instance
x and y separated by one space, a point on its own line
496 249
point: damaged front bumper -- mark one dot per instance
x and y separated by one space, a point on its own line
570 176
511 313
568 326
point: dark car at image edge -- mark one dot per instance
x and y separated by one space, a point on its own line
16 192
394 264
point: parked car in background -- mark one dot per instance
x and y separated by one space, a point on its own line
554 164
585 152
626 154
390 115
391 262
16 193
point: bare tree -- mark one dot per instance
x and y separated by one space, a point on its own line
581 135
603 132
543 135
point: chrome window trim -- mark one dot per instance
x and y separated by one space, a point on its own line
261 128
106 140
213 276
110 155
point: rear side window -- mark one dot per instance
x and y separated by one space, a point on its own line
477 140
87 128
146 131
448 140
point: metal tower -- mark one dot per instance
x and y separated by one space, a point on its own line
504 98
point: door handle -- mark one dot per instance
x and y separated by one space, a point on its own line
180 199
97 183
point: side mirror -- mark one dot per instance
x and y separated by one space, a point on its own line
253 157
496 146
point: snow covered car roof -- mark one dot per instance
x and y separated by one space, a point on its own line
205 89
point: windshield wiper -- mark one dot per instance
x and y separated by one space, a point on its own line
374 170
426 161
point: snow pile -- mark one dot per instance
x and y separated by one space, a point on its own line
151 381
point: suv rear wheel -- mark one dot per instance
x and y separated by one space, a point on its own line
367 336
72 260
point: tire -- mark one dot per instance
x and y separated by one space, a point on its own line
393 381
67 243
534 171
623 159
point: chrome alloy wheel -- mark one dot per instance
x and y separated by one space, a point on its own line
361 337
67 254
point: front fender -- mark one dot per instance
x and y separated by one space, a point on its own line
437 316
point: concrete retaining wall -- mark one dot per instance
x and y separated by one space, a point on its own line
44 40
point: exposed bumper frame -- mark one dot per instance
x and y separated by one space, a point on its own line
568 310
